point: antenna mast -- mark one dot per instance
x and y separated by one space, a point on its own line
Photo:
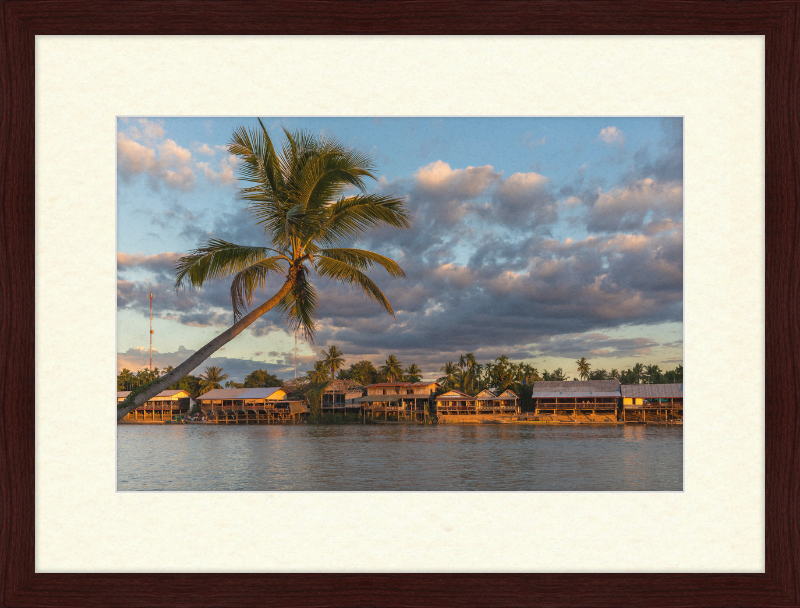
151 331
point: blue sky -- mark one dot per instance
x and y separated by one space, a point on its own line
545 239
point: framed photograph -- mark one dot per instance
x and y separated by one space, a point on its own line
71 537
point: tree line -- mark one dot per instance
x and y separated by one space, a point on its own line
196 385
465 375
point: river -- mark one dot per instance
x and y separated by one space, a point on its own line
486 457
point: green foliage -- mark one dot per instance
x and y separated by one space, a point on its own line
392 371
135 391
261 378
212 379
296 195
333 359
363 372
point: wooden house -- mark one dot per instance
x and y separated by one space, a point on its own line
167 405
652 403
587 400
250 406
406 400
456 403
341 395
507 402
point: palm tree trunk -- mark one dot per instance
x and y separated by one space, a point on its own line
201 355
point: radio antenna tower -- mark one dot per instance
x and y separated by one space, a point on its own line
151 331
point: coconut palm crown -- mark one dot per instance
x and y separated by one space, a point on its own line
299 196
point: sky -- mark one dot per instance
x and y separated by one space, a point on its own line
543 239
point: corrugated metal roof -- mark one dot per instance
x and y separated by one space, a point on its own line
509 393
259 393
161 394
423 383
572 394
653 391
548 386
224 393
486 395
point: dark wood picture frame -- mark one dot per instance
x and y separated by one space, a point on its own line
779 21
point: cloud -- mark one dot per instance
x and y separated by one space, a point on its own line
596 345
612 135
145 130
438 179
225 173
529 141
169 168
138 358
489 268
629 207
204 149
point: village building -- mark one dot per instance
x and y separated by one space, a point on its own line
577 400
405 400
250 406
341 395
652 403
165 406
485 404
456 403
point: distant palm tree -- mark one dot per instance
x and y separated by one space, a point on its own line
614 373
637 371
298 199
413 373
334 360
652 374
319 373
448 369
583 367
212 379
393 370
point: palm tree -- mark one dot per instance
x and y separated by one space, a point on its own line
653 374
319 373
614 373
413 373
333 360
448 369
637 371
583 367
393 370
212 379
297 197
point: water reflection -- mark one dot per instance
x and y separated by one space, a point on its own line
378 457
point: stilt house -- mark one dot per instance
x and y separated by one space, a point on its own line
576 397
652 402
164 406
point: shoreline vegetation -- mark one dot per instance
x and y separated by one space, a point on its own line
466 375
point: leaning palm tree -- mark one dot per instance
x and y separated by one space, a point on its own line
583 367
334 359
212 379
297 197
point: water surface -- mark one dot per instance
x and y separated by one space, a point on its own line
485 457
